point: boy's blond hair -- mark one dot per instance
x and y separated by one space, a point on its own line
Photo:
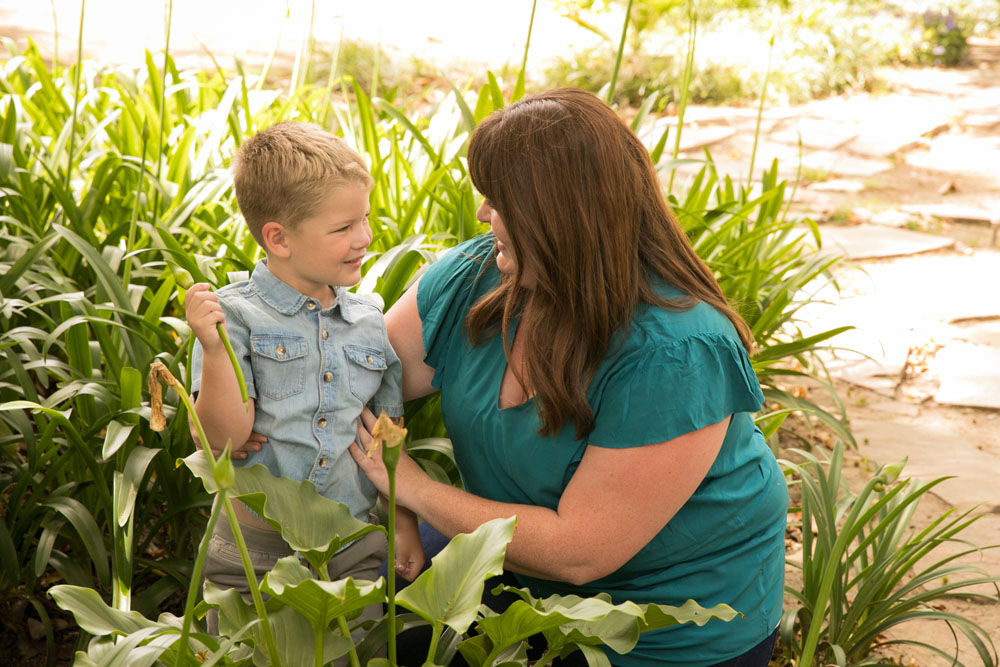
283 173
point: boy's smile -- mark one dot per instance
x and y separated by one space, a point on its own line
329 247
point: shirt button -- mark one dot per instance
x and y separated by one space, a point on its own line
322 422
328 376
368 359
310 305
281 350
326 334
322 462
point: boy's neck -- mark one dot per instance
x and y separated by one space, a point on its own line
326 295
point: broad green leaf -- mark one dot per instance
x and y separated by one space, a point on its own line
319 601
141 648
199 465
656 616
131 383
594 620
513 656
127 485
115 437
87 529
46 543
295 639
475 649
315 526
451 590
96 617
521 620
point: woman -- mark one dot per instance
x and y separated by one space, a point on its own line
596 384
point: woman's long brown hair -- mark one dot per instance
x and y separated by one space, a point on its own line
581 202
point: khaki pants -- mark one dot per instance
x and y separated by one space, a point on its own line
223 567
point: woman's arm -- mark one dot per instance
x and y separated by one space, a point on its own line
405 330
616 502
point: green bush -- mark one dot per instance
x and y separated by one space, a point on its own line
866 571
943 40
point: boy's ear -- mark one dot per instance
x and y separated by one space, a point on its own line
275 238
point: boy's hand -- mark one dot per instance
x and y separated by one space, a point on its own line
203 312
410 556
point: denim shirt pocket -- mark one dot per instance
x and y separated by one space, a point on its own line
279 364
365 368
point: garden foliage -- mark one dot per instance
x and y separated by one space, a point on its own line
114 192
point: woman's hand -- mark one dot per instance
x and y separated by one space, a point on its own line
409 475
253 444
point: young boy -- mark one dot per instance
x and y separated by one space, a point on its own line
313 354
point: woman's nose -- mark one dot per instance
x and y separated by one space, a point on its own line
483 212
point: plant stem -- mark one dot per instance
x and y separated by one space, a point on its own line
621 51
199 566
760 112
244 395
317 647
163 105
353 654
527 42
435 638
55 40
685 86
258 601
76 92
272 647
135 207
391 569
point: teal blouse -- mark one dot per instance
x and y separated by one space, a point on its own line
676 372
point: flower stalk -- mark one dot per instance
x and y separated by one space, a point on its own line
158 372
390 436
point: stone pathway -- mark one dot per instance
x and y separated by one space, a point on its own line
907 187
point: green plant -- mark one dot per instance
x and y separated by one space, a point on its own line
942 40
116 187
766 266
865 571
302 607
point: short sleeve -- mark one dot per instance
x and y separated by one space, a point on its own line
446 291
389 397
675 388
239 338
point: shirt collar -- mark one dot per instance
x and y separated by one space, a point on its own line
286 299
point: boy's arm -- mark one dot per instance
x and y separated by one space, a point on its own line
389 397
410 556
219 406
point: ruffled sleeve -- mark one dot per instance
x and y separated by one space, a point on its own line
446 291
674 387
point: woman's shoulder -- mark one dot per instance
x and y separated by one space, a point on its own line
672 326
472 252
457 267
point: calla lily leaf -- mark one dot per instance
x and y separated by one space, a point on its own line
314 526
320 601
566 620
94 615
657 616
451 590
295 639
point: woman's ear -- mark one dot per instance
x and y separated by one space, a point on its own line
275 238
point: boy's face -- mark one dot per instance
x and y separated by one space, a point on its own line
328 248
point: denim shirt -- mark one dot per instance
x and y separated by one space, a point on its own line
310 370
